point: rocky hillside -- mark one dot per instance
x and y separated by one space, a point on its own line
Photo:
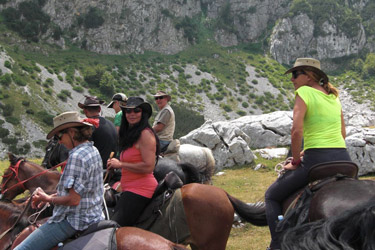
220 59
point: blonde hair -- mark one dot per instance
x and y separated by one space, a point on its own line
326 85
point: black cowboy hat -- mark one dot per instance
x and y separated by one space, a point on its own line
134 102
90 101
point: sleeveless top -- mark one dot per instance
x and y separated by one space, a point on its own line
141 184
322 121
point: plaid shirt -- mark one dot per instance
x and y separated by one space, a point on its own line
83 173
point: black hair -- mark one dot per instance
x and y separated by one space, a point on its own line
128 135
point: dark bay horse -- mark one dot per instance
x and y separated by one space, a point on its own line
209 211
128 238
350 229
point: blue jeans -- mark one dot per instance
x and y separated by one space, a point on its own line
164 145
294 180
47 236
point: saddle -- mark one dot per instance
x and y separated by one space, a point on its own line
100 236
319 175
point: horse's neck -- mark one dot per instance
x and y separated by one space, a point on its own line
47 181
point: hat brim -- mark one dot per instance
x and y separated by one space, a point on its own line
110 105
316 70
66 125
146 107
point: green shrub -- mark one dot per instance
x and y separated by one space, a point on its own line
25 103
7 64
78 89
6 79
9 140
45 117
40 144
13 120
92 19
3 132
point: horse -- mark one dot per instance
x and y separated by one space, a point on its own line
209 212
55 153
187 172
334 187
9 214
127 238
351 229
24 175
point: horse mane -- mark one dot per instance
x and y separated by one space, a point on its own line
14 213
352 229
14 159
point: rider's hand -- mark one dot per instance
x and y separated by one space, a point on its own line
113 163
289 166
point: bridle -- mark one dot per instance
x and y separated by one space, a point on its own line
14 171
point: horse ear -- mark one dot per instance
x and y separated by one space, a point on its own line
11 156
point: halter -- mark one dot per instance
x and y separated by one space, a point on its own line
15 170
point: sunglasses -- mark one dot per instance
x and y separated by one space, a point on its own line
60 134
135 110
295 74
159 98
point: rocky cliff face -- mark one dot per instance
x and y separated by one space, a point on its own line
294 37
166 26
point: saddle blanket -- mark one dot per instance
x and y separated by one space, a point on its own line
104 239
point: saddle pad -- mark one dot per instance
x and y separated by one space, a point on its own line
100 240
171 222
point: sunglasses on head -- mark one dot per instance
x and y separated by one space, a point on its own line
135 110
159 97
296 73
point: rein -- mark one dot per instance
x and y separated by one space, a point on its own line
15 170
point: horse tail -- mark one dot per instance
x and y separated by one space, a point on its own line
255 213
209 169
353 229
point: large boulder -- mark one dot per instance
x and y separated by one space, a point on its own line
232 141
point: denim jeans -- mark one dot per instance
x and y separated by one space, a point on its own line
47 236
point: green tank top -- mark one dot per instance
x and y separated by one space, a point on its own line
322 121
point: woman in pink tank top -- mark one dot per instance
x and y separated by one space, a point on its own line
139 148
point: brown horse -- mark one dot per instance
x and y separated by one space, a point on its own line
24 175
209 211
128 238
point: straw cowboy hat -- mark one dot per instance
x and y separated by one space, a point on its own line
162 93
309 64
134 102
117 97
66 120
90 101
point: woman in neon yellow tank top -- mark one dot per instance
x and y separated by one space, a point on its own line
318 119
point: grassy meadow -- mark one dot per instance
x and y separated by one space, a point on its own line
245 184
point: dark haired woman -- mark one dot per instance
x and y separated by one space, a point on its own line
318 118
78 202
139 148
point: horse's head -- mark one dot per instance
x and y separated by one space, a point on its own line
55 154
9 183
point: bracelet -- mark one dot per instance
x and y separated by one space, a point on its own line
296 163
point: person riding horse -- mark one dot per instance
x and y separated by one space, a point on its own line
79 197
318 118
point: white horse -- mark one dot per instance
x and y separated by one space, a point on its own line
201 157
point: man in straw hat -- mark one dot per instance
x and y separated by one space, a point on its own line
318 119
164 123
118 99
78 201
105 135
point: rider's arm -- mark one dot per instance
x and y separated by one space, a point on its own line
158 127
72 199
297 128
343 130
